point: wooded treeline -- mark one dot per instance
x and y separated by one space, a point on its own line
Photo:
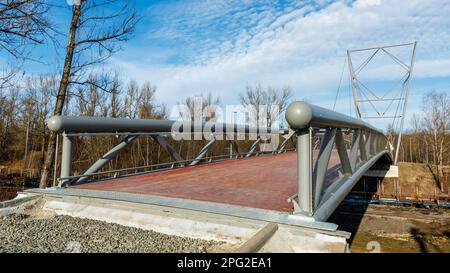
24 110
428 141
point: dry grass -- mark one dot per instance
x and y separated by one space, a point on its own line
415 176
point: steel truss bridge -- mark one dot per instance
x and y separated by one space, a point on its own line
301 187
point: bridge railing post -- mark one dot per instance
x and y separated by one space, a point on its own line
66 157
304 169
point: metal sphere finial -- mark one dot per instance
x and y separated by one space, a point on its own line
299 115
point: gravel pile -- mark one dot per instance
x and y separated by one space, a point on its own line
22 233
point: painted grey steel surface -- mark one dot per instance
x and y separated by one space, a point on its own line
102 124
321 166
66 157
368 145
168 148
285 141
72 126
80 124
371 99
327 208
314 202
253 147
203 151
405 103
301 115
343 155
304 173
107 157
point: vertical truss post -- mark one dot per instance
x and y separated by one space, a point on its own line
342 151
304 171
362 146
354 149
367 140
55 164
373 144
411 66
321 166
354 84
66 157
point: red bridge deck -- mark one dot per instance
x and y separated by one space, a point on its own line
260 182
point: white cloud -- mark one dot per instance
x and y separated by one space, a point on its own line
297 46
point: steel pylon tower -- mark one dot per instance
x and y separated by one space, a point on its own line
363 95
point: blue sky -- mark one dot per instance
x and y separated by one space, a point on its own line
189 47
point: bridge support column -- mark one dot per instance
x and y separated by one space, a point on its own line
66 157
304 166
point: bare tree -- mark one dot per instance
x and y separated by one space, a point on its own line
435 123
22 22
96 29
202 107
276 102
39 94
92 100
9 111
198 108
253 98
268 100
115 102
147 101
131 100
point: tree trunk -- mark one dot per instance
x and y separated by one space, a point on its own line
61 98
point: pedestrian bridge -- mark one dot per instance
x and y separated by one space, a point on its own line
301 187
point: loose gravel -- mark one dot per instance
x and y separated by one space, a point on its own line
23 233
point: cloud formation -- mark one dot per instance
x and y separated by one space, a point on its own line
226 45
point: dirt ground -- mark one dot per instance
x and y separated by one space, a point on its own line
418 178
8 192
382 228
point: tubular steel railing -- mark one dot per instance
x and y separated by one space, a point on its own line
367 146
130 129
